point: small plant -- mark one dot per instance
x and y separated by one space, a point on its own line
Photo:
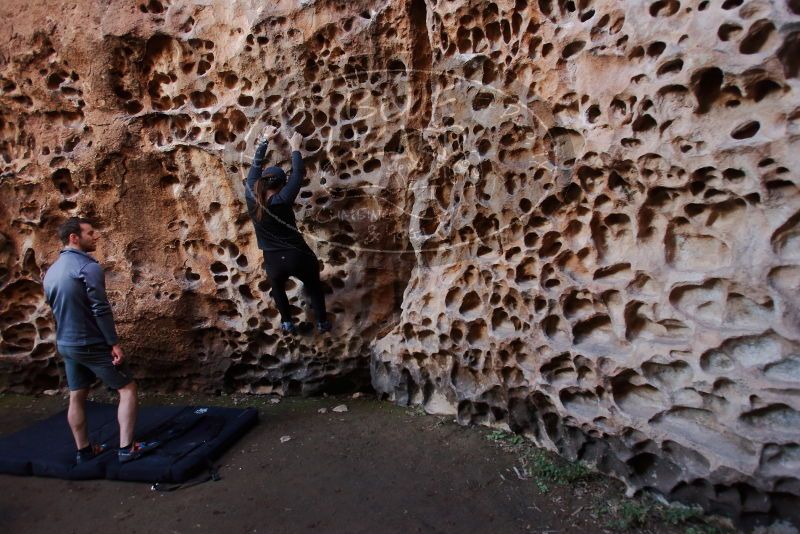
495 435
538 464
701 529
677 514
706 529
416 410
634 512
506 438
631 514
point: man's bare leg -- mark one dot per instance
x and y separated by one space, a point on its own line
126 414
76 415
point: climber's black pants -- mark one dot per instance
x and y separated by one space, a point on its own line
302 264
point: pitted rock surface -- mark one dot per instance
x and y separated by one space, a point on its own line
579 219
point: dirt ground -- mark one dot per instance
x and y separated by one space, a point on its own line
375 468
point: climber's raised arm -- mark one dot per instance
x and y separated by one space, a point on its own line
289 192
258 159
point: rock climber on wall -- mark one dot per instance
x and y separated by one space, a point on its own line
270 199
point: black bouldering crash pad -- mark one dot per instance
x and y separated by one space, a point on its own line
191 438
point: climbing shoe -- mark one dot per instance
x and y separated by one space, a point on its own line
93 450
288 327
324 326
136 450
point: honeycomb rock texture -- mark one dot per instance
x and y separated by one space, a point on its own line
578 219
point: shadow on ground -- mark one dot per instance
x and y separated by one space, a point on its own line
375 468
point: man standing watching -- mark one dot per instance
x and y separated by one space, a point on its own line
87 339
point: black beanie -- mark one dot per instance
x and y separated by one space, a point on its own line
274 175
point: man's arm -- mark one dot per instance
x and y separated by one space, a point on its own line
289 192
94 280
255 170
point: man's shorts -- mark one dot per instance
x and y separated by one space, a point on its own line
85 363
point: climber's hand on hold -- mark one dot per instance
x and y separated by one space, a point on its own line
267 133
295 141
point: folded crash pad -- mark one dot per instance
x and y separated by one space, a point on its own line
191 438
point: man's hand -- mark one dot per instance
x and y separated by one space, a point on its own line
295 141
267 133
116 354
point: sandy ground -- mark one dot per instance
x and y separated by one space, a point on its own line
375 468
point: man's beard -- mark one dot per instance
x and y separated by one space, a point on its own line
87 245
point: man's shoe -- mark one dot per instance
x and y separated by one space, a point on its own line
95 449
136 450
324 326
288 327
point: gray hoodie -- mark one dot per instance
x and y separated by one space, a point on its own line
75 288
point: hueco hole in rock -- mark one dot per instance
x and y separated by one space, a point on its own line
576 220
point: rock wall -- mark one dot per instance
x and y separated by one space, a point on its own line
579 219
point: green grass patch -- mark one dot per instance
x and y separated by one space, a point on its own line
631 514
542 465
506 438
678 514
627 514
